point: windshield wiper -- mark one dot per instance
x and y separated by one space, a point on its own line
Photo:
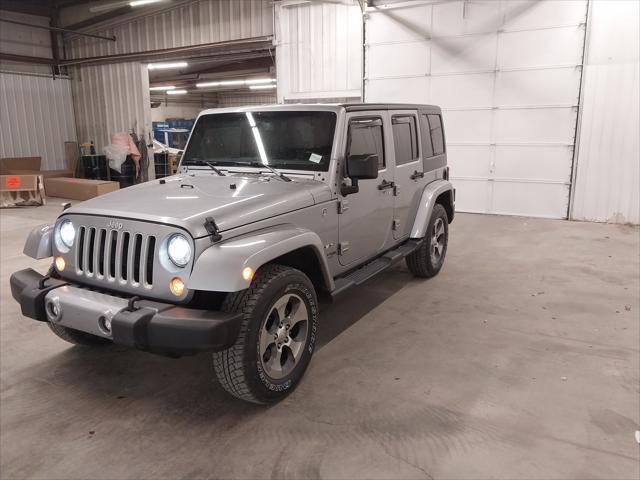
273 170
197 161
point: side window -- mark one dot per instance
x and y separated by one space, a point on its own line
405 138
435 125
365 137
427 146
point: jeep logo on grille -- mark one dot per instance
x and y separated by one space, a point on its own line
114 224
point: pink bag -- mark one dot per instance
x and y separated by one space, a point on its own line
125 140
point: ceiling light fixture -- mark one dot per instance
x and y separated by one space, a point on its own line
258 81
139 3
262 87
166 87
229 83
176 92
160 66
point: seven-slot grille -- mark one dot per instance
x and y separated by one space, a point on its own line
116 255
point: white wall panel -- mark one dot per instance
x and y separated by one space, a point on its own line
531 87
607 186
21 40
402 90
468 126
470 90
507 75
463 54
318 50
37 118
535 125
411 58
541 48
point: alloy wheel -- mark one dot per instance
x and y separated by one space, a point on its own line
437 241
283 336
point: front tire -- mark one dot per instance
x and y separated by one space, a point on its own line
277 336
427 260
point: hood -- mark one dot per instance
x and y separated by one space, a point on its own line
187 200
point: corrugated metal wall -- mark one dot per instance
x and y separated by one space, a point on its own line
37 117
21 40
318 50
194 23
111 98
607 186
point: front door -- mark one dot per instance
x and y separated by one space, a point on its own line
367 216
409 171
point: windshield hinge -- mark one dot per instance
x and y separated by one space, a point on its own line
343 206
212 229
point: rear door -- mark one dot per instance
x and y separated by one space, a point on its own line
366 216
409 170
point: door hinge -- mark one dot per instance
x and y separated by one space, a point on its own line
343 247
396 224
343 206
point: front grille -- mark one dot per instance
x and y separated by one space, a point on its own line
125 257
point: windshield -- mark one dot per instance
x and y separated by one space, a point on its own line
291 140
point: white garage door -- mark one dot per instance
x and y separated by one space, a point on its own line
507 75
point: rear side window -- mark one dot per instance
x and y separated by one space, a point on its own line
437 137
405 138
427 146
365 137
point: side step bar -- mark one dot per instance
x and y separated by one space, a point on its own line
374 267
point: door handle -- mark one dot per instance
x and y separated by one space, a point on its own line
416 174
385 185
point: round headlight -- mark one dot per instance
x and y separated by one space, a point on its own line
179 250
65 235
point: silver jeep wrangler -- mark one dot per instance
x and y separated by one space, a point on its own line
273 208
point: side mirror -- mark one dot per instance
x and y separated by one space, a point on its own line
360 167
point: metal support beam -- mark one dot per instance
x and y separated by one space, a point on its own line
26 59
58 29
207 49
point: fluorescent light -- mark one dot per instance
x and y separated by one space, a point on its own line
261 87
207 84
166 87
159 66
139 3
255 81
176 92
228 83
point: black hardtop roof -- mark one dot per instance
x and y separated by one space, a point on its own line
354 107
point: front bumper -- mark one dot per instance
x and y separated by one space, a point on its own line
150 326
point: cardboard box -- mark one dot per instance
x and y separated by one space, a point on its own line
7 165
21 190
78 188
29 166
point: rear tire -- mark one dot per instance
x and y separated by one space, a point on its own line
77 337
277 336
427 260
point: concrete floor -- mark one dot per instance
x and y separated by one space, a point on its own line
520 360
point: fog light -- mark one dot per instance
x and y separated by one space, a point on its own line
59 264
176 286
104 322
247 274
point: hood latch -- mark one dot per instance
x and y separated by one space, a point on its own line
212 229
